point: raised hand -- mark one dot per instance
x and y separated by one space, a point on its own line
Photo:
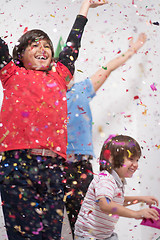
135 46
86 4
94 4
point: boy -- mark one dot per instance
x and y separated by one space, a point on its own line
105 200
33 134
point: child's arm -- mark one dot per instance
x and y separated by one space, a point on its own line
70 52
102 74
116 209
149 200
5 58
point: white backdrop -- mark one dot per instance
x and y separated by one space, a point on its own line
115 110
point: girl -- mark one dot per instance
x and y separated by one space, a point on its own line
105 200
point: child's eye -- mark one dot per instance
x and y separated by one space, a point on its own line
132 159
47 46
34 45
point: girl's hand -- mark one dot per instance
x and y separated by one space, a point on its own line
149 200
147 213
96 3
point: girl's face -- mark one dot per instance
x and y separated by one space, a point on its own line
129 167
37 56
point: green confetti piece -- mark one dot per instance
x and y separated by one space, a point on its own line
105 68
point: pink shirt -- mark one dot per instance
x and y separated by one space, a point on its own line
34 109
92 222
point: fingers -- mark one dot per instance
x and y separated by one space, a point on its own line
156 202
150 213
142 37
97 3
152 200
154 214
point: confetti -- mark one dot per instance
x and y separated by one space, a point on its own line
153 87
156 23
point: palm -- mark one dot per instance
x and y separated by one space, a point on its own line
94 4
139 43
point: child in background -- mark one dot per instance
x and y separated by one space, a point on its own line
80 146
33 131
105 201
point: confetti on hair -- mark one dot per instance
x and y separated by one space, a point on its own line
109 138
107 154
129 154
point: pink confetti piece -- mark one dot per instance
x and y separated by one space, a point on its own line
153 87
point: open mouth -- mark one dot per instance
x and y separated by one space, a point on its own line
131 170
41 57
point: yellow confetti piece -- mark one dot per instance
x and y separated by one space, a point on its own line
33 204
74 182
129 154
4 136
18 228
53 69
3 158
145 112
78 70
60 212
72 58
52 15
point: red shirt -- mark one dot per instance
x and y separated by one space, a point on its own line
34 109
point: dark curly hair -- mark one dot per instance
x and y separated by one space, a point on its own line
118 147
25 40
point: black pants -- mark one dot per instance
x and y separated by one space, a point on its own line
32 192
78 177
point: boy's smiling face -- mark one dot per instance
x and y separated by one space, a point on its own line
37 55
129 167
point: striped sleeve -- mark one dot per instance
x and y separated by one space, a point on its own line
105 186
